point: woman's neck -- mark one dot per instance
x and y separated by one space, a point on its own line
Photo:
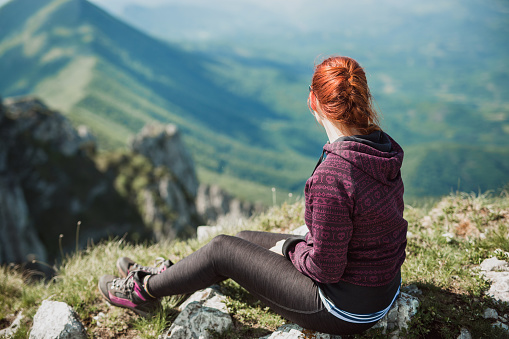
335 130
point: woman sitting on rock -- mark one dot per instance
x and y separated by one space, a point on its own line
344 275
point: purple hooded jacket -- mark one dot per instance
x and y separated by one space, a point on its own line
354 212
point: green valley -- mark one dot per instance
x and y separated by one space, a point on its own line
442 89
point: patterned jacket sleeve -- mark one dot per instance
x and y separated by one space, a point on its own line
323 254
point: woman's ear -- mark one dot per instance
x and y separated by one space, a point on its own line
312 101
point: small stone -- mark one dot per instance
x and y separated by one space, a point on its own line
490 313
448 236
403 309
464 334
494 264
10 331
293 331
501 325
411 289
499 288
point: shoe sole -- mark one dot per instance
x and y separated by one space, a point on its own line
139 312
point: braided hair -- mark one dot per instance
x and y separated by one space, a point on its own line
340 86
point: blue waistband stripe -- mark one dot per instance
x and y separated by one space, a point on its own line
353 317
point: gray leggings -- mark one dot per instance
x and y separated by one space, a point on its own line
270 277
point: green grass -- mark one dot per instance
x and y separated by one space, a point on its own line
453 293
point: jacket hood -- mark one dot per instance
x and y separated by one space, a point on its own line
376 154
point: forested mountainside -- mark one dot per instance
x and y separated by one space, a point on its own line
243 114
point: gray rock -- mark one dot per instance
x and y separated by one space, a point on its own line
400 313
163 146
18 241
464 334
490 313
45 166
494 265
292 331
197 321
168 205
88 141
497 272
203 313
167 210
499 288
216 206
411 289
502 326
209 297
10 331
53 128
54 320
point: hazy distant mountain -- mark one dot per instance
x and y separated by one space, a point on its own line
438 69
107 75
239 95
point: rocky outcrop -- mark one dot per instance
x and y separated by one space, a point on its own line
174 201
217 207
48 183
52 180
163 146
167 202
18 241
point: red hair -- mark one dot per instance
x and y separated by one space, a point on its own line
340 86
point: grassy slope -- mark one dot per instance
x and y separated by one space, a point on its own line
445 271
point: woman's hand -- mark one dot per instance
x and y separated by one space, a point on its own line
278 247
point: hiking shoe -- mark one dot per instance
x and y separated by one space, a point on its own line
128 293
126 265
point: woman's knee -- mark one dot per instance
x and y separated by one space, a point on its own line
221 240
244 234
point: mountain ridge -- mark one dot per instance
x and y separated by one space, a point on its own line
113 78
243 118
